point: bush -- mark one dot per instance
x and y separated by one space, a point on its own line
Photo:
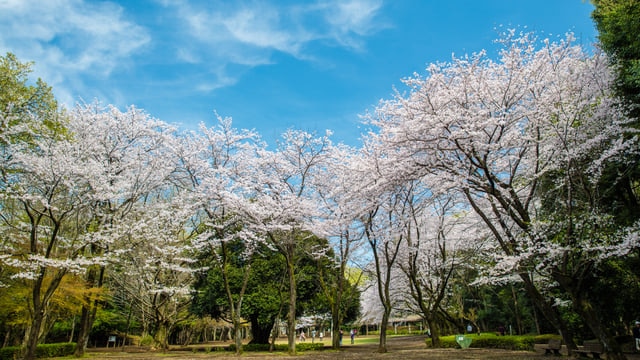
309 346
491 341
544 338
146 340
515 342
445 342
42 351
55 350
10 353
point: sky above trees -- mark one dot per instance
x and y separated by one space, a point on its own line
271 65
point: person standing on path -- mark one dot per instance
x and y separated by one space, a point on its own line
636 335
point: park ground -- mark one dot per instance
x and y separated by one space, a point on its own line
399 347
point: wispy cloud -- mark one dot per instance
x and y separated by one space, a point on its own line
351 19
76 42
248 33
68 38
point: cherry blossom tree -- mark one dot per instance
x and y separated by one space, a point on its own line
129 159
283 201
443 239
46 182
494 130
158 263
385 218
214 162
76 186
339 210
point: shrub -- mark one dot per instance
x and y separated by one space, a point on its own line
508 342
55 350
309 346
10 353
146 340
445 342
515 342
42 351
544 338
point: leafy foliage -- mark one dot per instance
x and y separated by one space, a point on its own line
618 26
42 351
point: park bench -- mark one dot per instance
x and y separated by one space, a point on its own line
553 347
592 347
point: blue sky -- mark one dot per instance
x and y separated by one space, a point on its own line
270 65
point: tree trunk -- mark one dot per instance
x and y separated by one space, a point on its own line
7 336
435 332
336 312
549 312
161 335
128 327
335 337
382 344
32 335
274 333
611 347
516 310
83 331
89 310
291 318
238 333
260 333
40 308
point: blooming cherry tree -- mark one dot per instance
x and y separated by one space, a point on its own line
215 164
493 130
284 201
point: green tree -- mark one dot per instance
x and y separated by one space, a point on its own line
22 102
263 298
266 294
618 23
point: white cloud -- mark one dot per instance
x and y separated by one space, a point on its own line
69 38
254 30
354 16
261 28
223 34
77 42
